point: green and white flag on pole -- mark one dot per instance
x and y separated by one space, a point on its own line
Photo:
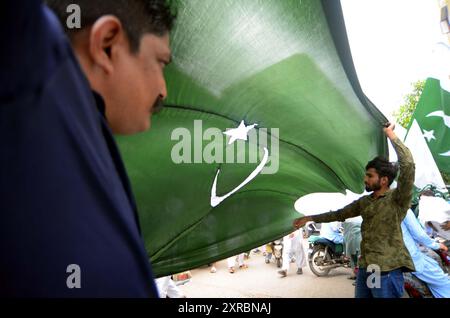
433 116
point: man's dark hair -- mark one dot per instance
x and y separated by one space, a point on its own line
384 168
137 16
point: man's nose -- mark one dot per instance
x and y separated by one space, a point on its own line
163 91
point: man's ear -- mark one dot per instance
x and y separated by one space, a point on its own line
385 181
106 33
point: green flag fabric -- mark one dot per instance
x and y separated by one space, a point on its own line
433 116
263 107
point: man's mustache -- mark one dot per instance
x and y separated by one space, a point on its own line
158 106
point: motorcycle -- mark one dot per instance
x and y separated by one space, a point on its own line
324 255
275 248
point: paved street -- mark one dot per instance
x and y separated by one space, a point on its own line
261 280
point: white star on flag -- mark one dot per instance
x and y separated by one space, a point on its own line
429 135
239 133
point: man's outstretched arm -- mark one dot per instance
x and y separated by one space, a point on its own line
349 211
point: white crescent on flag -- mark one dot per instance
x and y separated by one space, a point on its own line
216 200
440 113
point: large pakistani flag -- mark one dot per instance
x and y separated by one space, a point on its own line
263 107
433 116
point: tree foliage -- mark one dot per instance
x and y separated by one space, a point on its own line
404 114
446 177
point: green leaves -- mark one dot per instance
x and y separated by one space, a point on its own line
406 111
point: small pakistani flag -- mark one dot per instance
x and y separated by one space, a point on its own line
433 115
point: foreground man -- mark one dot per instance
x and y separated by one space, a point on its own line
382 246
69 225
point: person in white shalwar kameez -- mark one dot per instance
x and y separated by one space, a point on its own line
293 245
167 288
232 261
427 269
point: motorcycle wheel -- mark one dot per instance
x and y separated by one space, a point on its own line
317 256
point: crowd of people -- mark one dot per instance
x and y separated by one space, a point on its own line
429 270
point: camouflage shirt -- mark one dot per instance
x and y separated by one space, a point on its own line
382 239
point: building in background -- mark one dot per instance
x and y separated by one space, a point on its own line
445 19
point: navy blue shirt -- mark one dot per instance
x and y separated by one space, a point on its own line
65 197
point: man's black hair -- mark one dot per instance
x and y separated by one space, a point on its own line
384 168
137 16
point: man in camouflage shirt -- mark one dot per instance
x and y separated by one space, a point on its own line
382 246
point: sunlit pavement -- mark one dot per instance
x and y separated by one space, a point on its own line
261 280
